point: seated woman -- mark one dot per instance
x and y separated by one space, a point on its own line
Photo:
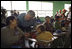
43 34
10 34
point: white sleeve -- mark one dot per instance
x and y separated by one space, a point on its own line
69 15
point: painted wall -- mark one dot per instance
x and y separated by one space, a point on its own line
59 5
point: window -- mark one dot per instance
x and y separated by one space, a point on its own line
49 13
34 5
6 5
22 12
18 5
8 13
41 13
67 7
47 6
14 5
42 9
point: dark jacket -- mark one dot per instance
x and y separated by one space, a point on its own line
24 24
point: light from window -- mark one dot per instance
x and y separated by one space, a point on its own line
6 5
18 5
47 6
42 8
67 6
33 5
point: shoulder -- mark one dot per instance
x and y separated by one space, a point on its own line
4 28
49 33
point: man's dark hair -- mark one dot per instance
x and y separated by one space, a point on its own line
31 12
47 17
8 19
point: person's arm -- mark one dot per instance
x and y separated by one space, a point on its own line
22 34
20 31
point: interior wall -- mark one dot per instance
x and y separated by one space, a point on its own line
59 5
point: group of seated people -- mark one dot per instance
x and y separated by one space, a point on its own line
18 28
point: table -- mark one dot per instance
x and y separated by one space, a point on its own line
59 34
34 41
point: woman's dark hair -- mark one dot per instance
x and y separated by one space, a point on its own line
8 19
42 28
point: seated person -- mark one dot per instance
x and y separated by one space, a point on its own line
68 37
48 25
57 23
64 23
52 19
10 34
3 17
43 34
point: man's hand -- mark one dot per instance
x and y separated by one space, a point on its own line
27 35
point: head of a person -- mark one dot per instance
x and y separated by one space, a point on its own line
40 28
64 11
59 11
12 11
15 11
47 19
37 16
18 12
4 11
51 16
11 20
30 15
58 18
56 12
